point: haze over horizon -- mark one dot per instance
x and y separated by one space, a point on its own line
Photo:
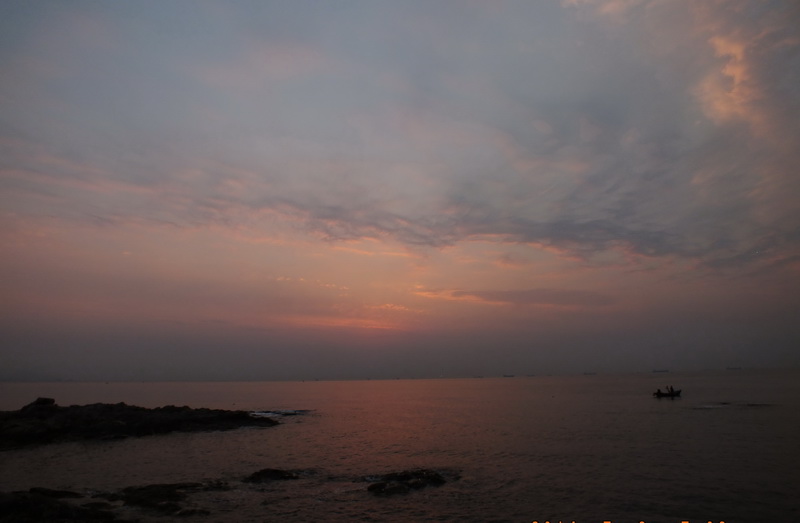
298 190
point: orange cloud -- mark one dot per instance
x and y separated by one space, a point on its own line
730 93
616 10
338 322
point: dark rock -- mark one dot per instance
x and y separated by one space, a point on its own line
98 504
189 512
418 483
33 507
424 477
403 482
216 484
163 499
378 486
159 497
265 475
43 422
58 494
388 488
39 404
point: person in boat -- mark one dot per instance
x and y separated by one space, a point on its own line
658 392
671 390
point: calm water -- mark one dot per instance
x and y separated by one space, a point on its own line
583 448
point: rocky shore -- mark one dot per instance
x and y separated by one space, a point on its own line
179 500
43 421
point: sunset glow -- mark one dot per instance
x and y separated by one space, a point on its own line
379 189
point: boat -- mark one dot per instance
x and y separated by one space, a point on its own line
673 394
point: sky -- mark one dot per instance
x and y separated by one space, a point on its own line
264 190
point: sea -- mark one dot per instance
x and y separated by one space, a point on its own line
584 448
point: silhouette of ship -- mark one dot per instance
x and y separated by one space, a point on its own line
669 394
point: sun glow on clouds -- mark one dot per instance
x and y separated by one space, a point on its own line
568 172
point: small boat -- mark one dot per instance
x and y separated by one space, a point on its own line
673 394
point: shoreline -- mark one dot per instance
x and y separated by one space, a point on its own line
43 422
46 423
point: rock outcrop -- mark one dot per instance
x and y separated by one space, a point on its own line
179 500
403 482
36 506
164 497
43 422
265 475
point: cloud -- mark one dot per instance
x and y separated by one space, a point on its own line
542 296
530 166
557 297
693 161
262 65
711 168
